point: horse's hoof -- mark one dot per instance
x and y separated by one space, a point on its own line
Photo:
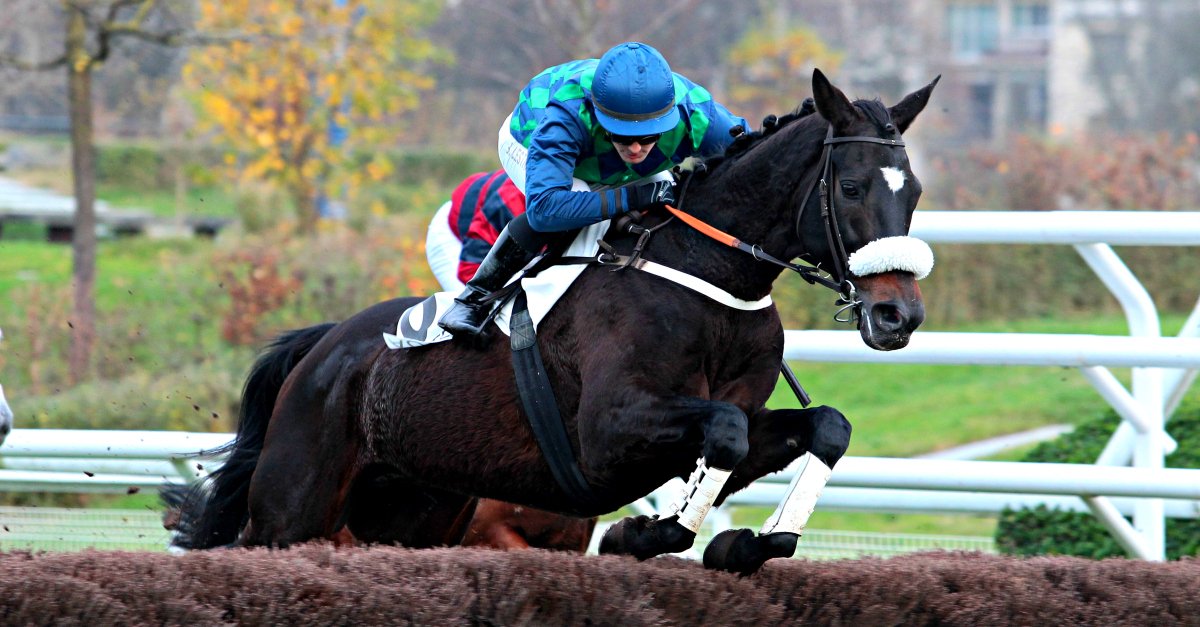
622 535
644 537
740 551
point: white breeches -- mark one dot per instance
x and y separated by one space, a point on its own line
443 249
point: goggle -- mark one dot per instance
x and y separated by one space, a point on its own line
626 140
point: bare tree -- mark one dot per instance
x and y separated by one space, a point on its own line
501 44
90 32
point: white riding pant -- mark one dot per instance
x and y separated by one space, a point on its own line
443 250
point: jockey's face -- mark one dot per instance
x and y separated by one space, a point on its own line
635 152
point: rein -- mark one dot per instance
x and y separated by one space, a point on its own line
840 281
811 274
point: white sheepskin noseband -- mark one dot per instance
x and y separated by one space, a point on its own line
887 254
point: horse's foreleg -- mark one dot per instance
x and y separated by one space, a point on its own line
779 437
821 435
724 445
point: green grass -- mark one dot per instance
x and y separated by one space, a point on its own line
28 262
128 270
936 524
905 410
197 201
900 410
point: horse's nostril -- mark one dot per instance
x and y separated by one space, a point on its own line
888 316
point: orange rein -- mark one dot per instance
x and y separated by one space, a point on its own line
705 228
809 273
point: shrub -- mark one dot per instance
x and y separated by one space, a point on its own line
446 168
152 165
972 282
203 397
1044 531
135 165
277 281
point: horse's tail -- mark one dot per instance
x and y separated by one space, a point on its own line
212 513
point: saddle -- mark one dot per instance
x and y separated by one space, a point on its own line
418 324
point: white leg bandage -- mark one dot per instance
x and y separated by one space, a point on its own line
698 496
801 497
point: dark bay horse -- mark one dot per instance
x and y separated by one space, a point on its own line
488 523
501 525
649 374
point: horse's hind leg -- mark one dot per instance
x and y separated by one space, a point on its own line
495 525
776 439
501 525
299 489
384 508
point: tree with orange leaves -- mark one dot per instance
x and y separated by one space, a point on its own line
324 78
776 52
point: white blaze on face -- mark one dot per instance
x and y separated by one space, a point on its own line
894 178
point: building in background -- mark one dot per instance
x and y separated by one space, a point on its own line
1061 67
995 57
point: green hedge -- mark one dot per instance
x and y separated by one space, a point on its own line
444 168
198 398
1044 531
151 166
132 164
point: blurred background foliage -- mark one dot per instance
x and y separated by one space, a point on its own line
385 106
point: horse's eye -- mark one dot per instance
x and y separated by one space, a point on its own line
849 190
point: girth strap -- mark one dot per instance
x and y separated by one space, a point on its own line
541 408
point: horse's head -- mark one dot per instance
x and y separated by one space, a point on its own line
855 216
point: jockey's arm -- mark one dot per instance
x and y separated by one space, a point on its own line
716 136
549 201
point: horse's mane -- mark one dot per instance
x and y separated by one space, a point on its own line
875 110
770 125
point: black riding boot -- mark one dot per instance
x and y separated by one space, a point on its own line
468 314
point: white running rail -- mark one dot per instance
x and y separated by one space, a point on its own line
1163 369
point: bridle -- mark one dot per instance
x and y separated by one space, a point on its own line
847 294
839 280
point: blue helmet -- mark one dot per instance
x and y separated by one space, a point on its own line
634 91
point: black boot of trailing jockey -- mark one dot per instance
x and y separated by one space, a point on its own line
469 313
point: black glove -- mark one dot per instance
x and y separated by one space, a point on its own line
649 194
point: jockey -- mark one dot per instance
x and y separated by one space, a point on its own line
590 125
465 227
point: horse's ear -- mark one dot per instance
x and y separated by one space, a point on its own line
907 109
832 104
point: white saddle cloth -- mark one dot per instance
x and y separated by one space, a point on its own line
418 324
